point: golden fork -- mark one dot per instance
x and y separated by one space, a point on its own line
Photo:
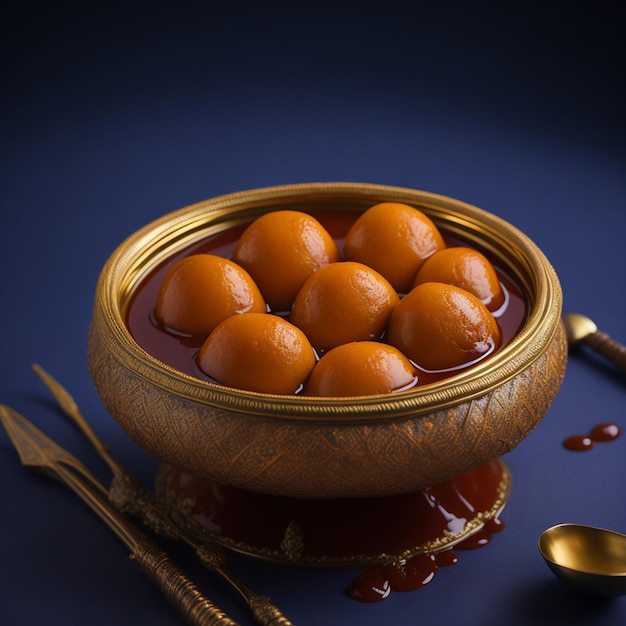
38 451
130 496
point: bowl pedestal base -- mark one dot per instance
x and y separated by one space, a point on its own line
359 532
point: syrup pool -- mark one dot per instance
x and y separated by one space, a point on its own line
179 351
399 542
377 583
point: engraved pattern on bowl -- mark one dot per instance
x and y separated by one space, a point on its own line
327 447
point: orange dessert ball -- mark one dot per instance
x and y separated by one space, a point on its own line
281 250
466 268
361 368
394 239
200 291
343 302
257 352
441 327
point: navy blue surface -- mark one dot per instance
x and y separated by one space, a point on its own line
112 116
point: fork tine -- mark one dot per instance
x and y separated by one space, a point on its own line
65 400
37 450
40 452
70 408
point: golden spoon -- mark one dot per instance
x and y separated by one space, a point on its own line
581 329
592 560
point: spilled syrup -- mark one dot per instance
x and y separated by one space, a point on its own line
377 583
605 432
337 531
477 540
598 434
351 532
447 558
579 443
494 525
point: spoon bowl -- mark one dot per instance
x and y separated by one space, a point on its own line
591 560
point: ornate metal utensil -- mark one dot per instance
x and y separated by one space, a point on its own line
582 330
591 560
38 451
130 496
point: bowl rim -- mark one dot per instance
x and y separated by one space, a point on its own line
143 249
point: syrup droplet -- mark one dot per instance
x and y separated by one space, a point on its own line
377 583
599 433
494 525
605 432
446 558
477 540
414 574
370 586
579 443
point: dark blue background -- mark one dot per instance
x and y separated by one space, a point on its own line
113 114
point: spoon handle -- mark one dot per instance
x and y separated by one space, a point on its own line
608 347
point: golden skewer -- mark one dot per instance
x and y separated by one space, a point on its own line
130 496
38 451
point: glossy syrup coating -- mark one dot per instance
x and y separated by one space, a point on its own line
281 250
442 327
202 290
466 268
361 368
343 302
394 239
257 352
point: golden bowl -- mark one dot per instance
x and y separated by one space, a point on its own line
307 447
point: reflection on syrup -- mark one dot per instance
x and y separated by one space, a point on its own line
599 433
377 583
